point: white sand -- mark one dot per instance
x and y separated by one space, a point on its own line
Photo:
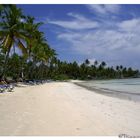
66 109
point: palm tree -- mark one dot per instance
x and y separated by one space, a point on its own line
2 6
33 38
121 68
42 53
11 31
87 62
32 33
103 64
96 63
117 68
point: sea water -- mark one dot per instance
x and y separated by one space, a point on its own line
129 88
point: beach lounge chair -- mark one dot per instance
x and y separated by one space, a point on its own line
10 88
2 88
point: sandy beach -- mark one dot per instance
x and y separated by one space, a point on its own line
65 109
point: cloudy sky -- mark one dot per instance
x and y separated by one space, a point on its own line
108 33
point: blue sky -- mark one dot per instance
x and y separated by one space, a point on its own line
108 33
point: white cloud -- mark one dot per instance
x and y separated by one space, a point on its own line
76 16
116 42
104 8
119 45
79 22
130 25
101 41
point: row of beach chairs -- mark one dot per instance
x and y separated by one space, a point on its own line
9 87
6 87
36 82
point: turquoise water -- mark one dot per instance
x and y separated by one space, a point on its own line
122 85
122 88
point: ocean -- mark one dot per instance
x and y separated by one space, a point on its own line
121 88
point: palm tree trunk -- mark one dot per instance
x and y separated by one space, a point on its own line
5 64
32 68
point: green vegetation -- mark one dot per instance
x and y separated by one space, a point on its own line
25 53
20 32
87 71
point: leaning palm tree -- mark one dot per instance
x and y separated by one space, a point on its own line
11 31
32 33
42 54
33 38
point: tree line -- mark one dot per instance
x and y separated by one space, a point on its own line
86 70
26 54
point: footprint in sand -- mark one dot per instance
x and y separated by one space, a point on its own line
77 128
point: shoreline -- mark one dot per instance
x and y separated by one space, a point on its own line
112 93
65 109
